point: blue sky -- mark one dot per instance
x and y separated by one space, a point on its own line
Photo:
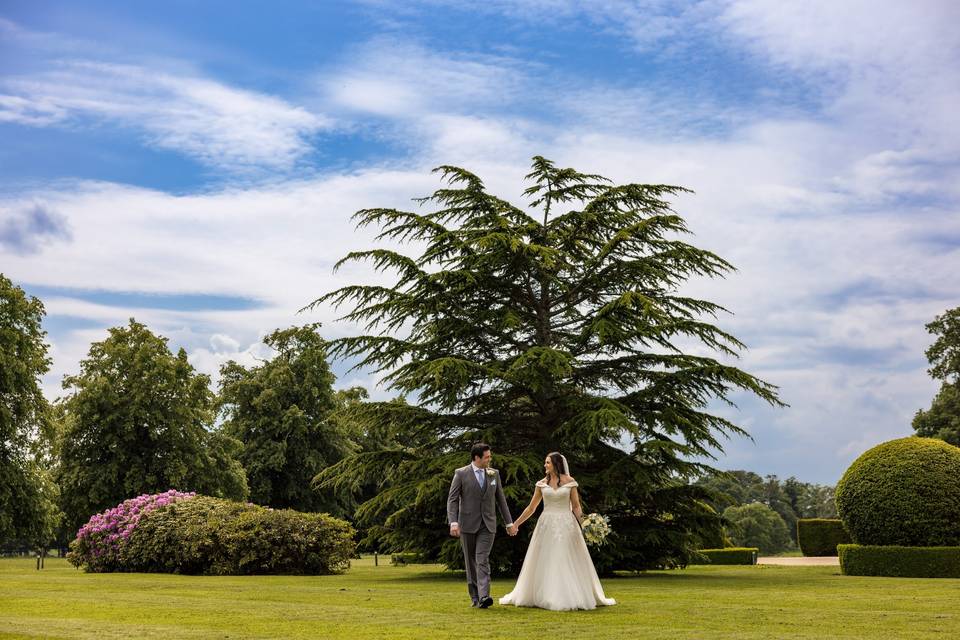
194 165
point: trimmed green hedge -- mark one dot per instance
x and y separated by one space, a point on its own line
903 492
732 555
898 561
820 536
220 537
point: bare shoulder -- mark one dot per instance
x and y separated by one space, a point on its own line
564 479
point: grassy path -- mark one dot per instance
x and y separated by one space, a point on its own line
425 602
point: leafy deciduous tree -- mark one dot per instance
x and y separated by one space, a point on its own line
757 525
942 419
136 420
944 353
809 500
23 412
280 411
791 499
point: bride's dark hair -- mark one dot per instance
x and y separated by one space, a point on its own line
558 467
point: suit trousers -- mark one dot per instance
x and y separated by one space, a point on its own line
476 558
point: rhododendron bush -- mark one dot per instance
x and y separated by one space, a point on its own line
177 532
99 542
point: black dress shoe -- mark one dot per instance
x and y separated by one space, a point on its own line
485 602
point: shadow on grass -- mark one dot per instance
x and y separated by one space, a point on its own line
413 574
416 573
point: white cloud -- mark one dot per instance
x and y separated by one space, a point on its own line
888 66
839 219
218 125
396 79
223 348
220 343
231 242
32 112
852 37
274 244
848 354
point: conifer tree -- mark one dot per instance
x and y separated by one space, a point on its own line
559 326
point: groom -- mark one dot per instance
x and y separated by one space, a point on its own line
471 511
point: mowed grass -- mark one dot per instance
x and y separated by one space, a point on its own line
426 602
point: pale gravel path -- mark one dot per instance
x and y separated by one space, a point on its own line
829 561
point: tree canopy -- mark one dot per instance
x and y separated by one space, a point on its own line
944 353
137 420
24 506
942 419
557 326
280 411
791 499
757 525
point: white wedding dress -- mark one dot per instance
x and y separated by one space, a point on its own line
557 571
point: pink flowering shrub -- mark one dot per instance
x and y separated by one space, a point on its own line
176 532
99 543
213 536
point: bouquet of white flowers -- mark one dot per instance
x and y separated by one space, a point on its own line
595 529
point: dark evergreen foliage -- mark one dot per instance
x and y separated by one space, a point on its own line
561 330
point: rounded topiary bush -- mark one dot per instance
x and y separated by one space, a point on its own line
903 492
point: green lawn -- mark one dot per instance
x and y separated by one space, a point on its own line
425 602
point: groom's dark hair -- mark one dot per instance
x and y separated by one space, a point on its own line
478 450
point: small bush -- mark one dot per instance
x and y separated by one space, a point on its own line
98 544
899 561
820 536
903 492
184 538
220 537
733 555
185 533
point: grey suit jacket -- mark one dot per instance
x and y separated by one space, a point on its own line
469 505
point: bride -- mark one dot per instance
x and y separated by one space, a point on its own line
557 571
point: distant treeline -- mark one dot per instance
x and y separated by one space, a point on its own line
763 511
